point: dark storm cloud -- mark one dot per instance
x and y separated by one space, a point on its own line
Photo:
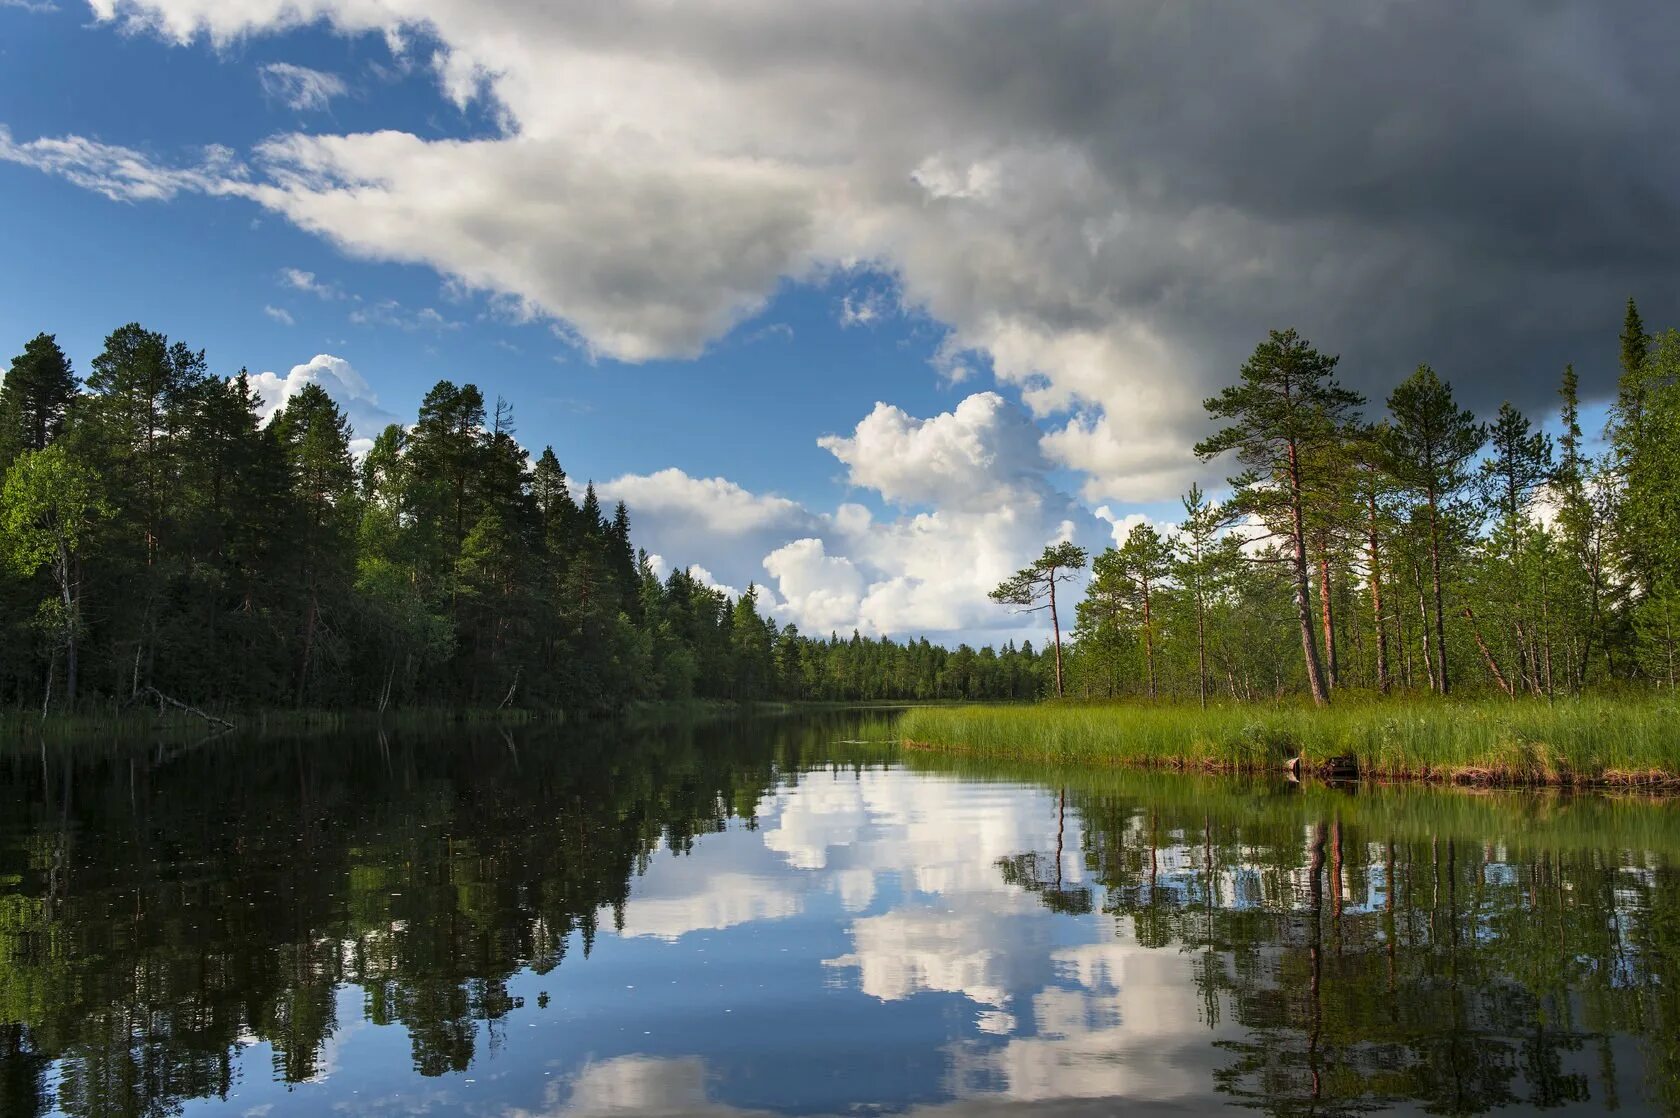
1110 202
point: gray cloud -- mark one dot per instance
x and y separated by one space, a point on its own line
1109 203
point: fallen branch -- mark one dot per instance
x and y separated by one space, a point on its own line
164 700
514 686
1487 655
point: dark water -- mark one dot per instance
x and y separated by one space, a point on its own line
760 919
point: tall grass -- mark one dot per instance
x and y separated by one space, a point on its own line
1568 742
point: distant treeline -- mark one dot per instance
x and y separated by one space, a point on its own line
157 537
1425 551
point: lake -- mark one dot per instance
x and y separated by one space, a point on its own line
769 917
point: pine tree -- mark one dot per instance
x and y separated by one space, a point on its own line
1520 462
1033 588
1194 567
1144 561
1431 444
1287 410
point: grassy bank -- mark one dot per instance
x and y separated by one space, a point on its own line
1567 742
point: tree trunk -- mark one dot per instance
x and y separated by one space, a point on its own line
1435 576
1423 612
67 585
1326 610
310 613
1201 649
1487 656
1148 642
1056 628
1376 597
1303 599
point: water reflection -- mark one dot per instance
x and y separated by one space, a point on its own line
755 919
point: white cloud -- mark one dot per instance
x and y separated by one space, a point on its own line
709 903
707 579
863 309
715 505
299 87
1122 525
342 382
978 506
1095 214
983 452
299 280
280 315
823 591
649 1085
124 174
389 312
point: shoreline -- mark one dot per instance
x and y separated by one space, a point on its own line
1575 743
1613 780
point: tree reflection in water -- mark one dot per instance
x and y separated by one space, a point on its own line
162 911
1375 951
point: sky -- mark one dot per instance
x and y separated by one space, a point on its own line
860 302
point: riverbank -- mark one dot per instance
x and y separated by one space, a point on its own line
172 723
1630 742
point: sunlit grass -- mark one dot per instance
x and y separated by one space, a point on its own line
1574 741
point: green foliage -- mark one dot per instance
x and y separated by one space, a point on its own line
1582 741
48 508
238 564
1033 588
35 398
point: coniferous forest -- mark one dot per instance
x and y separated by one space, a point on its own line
1403 545
159 539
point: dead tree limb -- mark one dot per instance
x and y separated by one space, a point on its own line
164 700
1487 655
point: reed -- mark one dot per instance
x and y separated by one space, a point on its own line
1587 741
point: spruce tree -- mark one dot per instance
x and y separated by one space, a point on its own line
34 398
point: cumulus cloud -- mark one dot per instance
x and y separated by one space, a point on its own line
280 315
341 381
1121 525
976 503
1106 206
982 452
299 87
717 505
823 591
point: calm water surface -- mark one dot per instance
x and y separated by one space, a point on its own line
765 918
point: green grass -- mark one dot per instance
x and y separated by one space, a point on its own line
1624 741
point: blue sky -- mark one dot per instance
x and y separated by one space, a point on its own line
862 311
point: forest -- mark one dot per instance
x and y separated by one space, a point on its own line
157 539
1424 551
160 539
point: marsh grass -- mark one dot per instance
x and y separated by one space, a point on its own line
1591 741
